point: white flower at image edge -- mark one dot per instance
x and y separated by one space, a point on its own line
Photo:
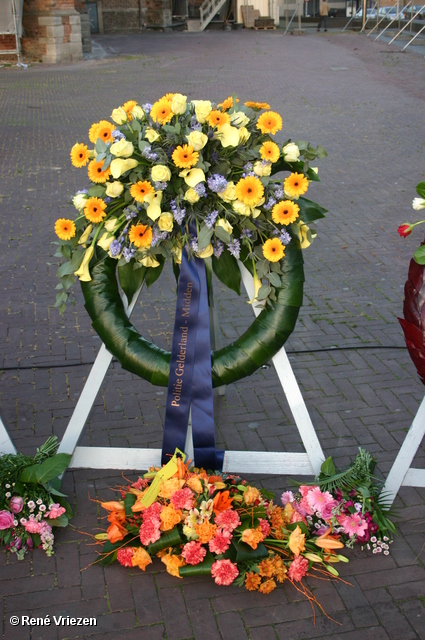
418 204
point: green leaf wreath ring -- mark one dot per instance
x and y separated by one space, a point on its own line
262 340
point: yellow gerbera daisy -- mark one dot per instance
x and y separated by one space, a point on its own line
270 151
96 173
64 229
161 111
128 107
295 185
95 210
249 190
79 155
285 212
257 105
217 119
140 235
185 157
102 130
273 250
140 190
227 104
168 96
269 122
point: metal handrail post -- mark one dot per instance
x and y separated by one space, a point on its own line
378 23
406 25
415 36
389 25
289 24
367 19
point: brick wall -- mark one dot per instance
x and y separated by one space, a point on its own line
123 15
7 42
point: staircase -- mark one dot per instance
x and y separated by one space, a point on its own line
207 11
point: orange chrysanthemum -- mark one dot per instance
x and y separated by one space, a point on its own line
128 107
273 250
64 229
270 151
285 212
249 190
185 157
96 172
161 111
257 105
227 104
252 581
295 185
140 190
95 210
140 235
79 155
102 130
269 122
267 586
217 119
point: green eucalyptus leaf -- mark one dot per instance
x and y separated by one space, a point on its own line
222 234
419 255
420 189
97 191
204 237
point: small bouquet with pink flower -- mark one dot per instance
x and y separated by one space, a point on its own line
31 504
200 523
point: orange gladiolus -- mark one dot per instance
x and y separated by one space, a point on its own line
222 501
326 541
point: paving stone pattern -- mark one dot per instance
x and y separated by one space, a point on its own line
364 102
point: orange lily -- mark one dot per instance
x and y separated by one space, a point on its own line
222 501
116 532
326 541
113 505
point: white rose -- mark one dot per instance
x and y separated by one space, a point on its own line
229 194
79 201
151 134
291 153
241 208
119 116
197 140
202 109
112 224
160 173
114 189
191 196
122 149
239 119
207 252
262 168
137 112
418 204
179 104
166 222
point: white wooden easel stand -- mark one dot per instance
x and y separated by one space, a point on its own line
402 474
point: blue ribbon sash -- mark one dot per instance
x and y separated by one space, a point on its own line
190 380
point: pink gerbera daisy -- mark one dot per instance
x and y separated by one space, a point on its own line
353 524
318 499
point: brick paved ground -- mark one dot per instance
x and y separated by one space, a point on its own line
364 102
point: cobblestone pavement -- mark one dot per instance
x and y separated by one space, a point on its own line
364 102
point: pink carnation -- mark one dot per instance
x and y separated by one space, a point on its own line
6 520
287 496
140 483
33 526
183 499
297 516
304 490
193 552
298 569
224 572
149 532
221 541
228 519
319 499
265 527
304 508
353 524
152 512
124 556
55 511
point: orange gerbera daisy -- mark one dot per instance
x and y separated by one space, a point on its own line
79 155
269 122
161 111
128 107
285 212
252 581
249 190
185 157
95 210
257 105
273 250
140 190
295 185
227 104
64 229
270 151
102 130
96 172
140 235
217 119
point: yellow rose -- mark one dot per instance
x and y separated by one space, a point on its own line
85 236
151 134
291 152
179 104
202 109
137 112
229 194
241 208
122 149
160 173
154 209
120 166
197 140
119 115
112 225
149 261
244 135
239 119
262 168
83 272
105 241
228 135
114 189
192 177
225 224
166 222
207 252
191 196
177 252
79 201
